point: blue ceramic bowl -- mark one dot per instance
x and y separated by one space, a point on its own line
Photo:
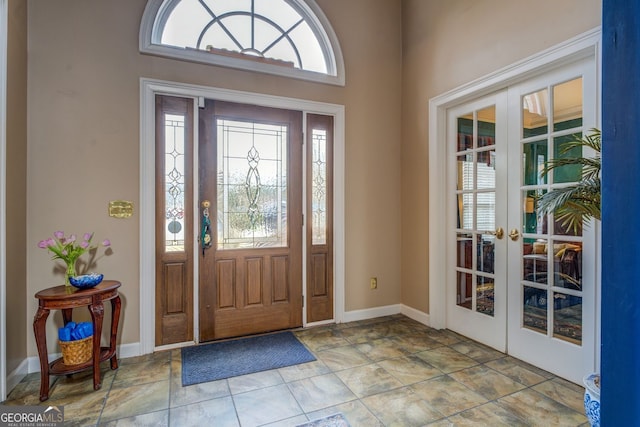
86 281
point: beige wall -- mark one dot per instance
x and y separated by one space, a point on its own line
447 44
83 109
84 71
16 240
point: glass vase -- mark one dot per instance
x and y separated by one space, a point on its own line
71 272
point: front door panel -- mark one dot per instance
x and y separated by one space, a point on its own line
251 174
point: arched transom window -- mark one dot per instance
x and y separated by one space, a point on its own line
285 37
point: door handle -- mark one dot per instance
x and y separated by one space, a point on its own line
499 233
205 230
514 234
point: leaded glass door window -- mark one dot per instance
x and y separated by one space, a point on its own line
252 184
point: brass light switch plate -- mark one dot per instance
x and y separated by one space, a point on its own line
120 209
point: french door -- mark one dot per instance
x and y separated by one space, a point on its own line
519 281
477 189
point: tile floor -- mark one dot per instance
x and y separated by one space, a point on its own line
389 371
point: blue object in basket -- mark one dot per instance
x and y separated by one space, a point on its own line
86 281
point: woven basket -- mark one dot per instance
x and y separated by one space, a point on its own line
76 352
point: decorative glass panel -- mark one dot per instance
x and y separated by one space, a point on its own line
535 309
252 185
269 31
567 318
319 187
174 182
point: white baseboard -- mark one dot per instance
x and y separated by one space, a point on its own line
388 310
417 315
15 376
371 313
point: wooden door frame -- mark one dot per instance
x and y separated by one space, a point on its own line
148 89
582 46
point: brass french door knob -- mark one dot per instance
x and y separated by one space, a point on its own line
514 234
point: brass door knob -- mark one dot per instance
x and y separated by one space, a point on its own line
514 234
499 233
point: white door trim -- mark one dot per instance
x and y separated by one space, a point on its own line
148 89
581 46
3 197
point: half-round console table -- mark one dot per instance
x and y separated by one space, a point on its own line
66 298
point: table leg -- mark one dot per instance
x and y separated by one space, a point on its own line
97 314
67 315
39 322
115 319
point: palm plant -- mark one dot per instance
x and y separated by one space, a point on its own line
579 202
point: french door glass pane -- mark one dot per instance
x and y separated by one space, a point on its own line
486 169
465 211
567 173
251 185
486 253
465 247
476 217
535 309
484 295
174 181
465 172
567 105
534 159
567 259
535 107
465 132
567 321
464 288
487 127
551 253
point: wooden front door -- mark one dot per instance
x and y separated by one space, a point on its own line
250 173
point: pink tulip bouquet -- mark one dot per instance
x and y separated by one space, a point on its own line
69 249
